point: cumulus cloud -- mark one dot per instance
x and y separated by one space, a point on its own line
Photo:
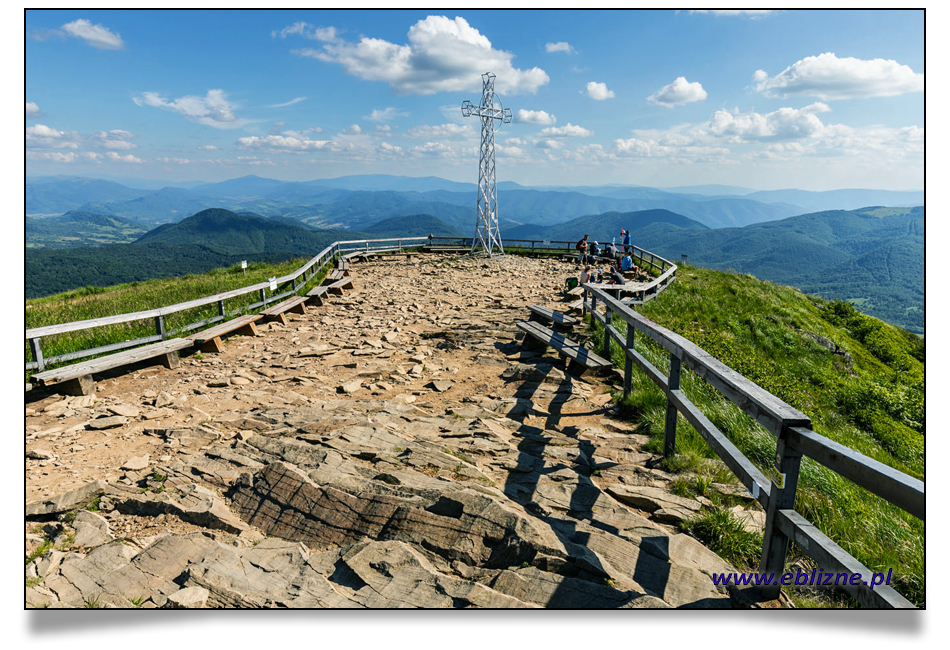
598 91
560 46
295 100
352 129
827 77
384 114
95 35
678 93
567 131
783 124
534 117
547 143
128 158
33 110
207 147
433 132
442 55
306 30
116 139
213 109
46 137
284 143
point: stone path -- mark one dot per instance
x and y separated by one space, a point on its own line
394 448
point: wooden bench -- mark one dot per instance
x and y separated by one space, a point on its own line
335 276
577 305
445 249
76 379
315 296
338 286
278 311
581 359
210 339
563 321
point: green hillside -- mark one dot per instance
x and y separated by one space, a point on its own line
860 380
79 228
604 227
211 239
873 257
414 225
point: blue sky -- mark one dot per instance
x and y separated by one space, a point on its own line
810 99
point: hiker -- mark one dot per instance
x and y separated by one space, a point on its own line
627 248
595 250
581 247
626 264
611 251
586 275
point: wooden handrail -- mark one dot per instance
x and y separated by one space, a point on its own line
795 438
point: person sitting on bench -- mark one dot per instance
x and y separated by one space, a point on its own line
626 264
587 275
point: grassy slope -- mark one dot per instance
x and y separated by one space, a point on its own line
758 329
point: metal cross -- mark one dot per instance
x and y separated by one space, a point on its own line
487 235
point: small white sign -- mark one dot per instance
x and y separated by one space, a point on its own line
244 264
273 284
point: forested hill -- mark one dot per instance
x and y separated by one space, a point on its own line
873 257
211 239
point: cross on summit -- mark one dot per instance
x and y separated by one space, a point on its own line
487 235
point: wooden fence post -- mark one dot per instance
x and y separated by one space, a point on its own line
628 362
782 497
673 383
37 351
605 349
263 297
160 326
221 308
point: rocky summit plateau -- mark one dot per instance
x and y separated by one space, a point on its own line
394 447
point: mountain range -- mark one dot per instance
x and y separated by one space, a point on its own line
353 202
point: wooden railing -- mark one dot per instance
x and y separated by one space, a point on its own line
795 438
295 280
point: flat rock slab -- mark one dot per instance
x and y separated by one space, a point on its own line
77 498
108 422
651 499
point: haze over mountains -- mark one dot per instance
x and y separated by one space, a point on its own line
844 248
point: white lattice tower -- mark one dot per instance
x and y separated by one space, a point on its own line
487 235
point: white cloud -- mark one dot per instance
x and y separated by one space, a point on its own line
598 91
213 109
207 147
678 93
548 144
432 132
534 117
293 101
33 110
45 137
128 158
383 128
388 149
827 77
782 124
437 149
282 143
175 161
353 129
442 55
116 139
384 114
567 131
560 46
96 35
306 30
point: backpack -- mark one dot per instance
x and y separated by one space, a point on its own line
579 245
571 283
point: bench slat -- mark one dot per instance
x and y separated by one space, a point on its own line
564 346
557 317
134 355
224 328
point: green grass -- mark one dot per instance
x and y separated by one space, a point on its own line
96 302
877 408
